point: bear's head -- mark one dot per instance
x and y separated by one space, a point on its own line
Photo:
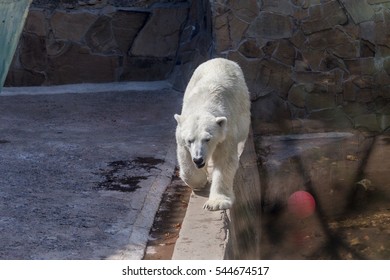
200 134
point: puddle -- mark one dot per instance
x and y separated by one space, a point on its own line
148 162
126 175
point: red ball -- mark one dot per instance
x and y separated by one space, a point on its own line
301 204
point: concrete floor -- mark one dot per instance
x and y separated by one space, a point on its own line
82 173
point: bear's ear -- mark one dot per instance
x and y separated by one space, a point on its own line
177 118
221 121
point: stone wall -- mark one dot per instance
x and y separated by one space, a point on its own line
72 41
323 62
196 43
310 64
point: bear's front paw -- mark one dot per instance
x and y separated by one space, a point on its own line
218 204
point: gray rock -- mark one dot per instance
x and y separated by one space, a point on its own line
71 26
367 121
160 36
359 11
325 16
146 68
261 27
335 41
78 65
99 37
250 49
297 95
125 27
33 52
36 22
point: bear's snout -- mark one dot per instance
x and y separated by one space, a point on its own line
199 162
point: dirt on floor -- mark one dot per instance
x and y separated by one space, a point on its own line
168 220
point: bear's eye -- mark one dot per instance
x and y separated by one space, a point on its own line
190 141
207 139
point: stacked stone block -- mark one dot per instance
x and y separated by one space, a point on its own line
322 60
98 41
308 63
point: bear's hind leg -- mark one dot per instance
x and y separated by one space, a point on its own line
191 175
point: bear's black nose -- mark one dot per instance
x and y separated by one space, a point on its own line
199 162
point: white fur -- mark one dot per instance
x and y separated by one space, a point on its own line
215 117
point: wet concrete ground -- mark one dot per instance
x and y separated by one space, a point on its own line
82 174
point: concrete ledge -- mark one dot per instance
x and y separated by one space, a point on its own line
203 235
209 235
87 88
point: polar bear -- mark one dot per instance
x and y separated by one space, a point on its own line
215 118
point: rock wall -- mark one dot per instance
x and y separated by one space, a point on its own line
71 41
310 64
322 63
196 43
